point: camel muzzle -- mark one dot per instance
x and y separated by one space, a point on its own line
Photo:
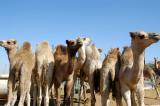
156 37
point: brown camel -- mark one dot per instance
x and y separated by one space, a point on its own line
157 66
65 65
21 65
89 68
132 65
43 73
148 72
107 74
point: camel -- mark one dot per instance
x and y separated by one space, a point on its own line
107 74
21 65
132 65
90 67
43 73
157 66
148 72
65 65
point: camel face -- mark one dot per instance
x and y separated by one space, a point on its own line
84 41
144 39
8 44
73 46
114 52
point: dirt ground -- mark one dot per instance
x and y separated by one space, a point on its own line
150 100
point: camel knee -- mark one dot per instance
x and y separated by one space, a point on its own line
28 99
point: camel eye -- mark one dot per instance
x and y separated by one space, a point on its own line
71 43
8 42
142 37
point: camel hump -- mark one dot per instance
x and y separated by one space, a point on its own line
43 44
127 56
26 46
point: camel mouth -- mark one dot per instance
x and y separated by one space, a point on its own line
79 44
156 37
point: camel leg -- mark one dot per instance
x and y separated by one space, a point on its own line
105 97
46 98
35 94
80 91
73 88
140 96
58 90
153 78
126 93
22 92
91 83
28 97
68 89
84 94
39 93
118 94
14 97
156 89
10 88
133 99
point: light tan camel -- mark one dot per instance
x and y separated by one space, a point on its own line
65 65
21 65
149 73
43 73
91 65
132 65
107 74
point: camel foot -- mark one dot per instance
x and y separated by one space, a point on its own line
7 104
158 97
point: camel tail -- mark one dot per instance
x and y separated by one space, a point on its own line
97 80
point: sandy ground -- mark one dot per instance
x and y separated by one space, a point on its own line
150 100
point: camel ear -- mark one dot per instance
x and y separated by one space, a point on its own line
100 50
117 48
67 42
132 35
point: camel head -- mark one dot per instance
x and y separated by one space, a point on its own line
73 46
8 44
113 55
114 52
143 39
84 41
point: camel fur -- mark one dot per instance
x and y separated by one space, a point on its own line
21 65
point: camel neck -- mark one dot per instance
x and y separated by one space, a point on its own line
81 57
71 66
138 64
11 53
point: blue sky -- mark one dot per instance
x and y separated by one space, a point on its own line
107 22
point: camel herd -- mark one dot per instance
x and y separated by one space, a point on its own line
46 69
